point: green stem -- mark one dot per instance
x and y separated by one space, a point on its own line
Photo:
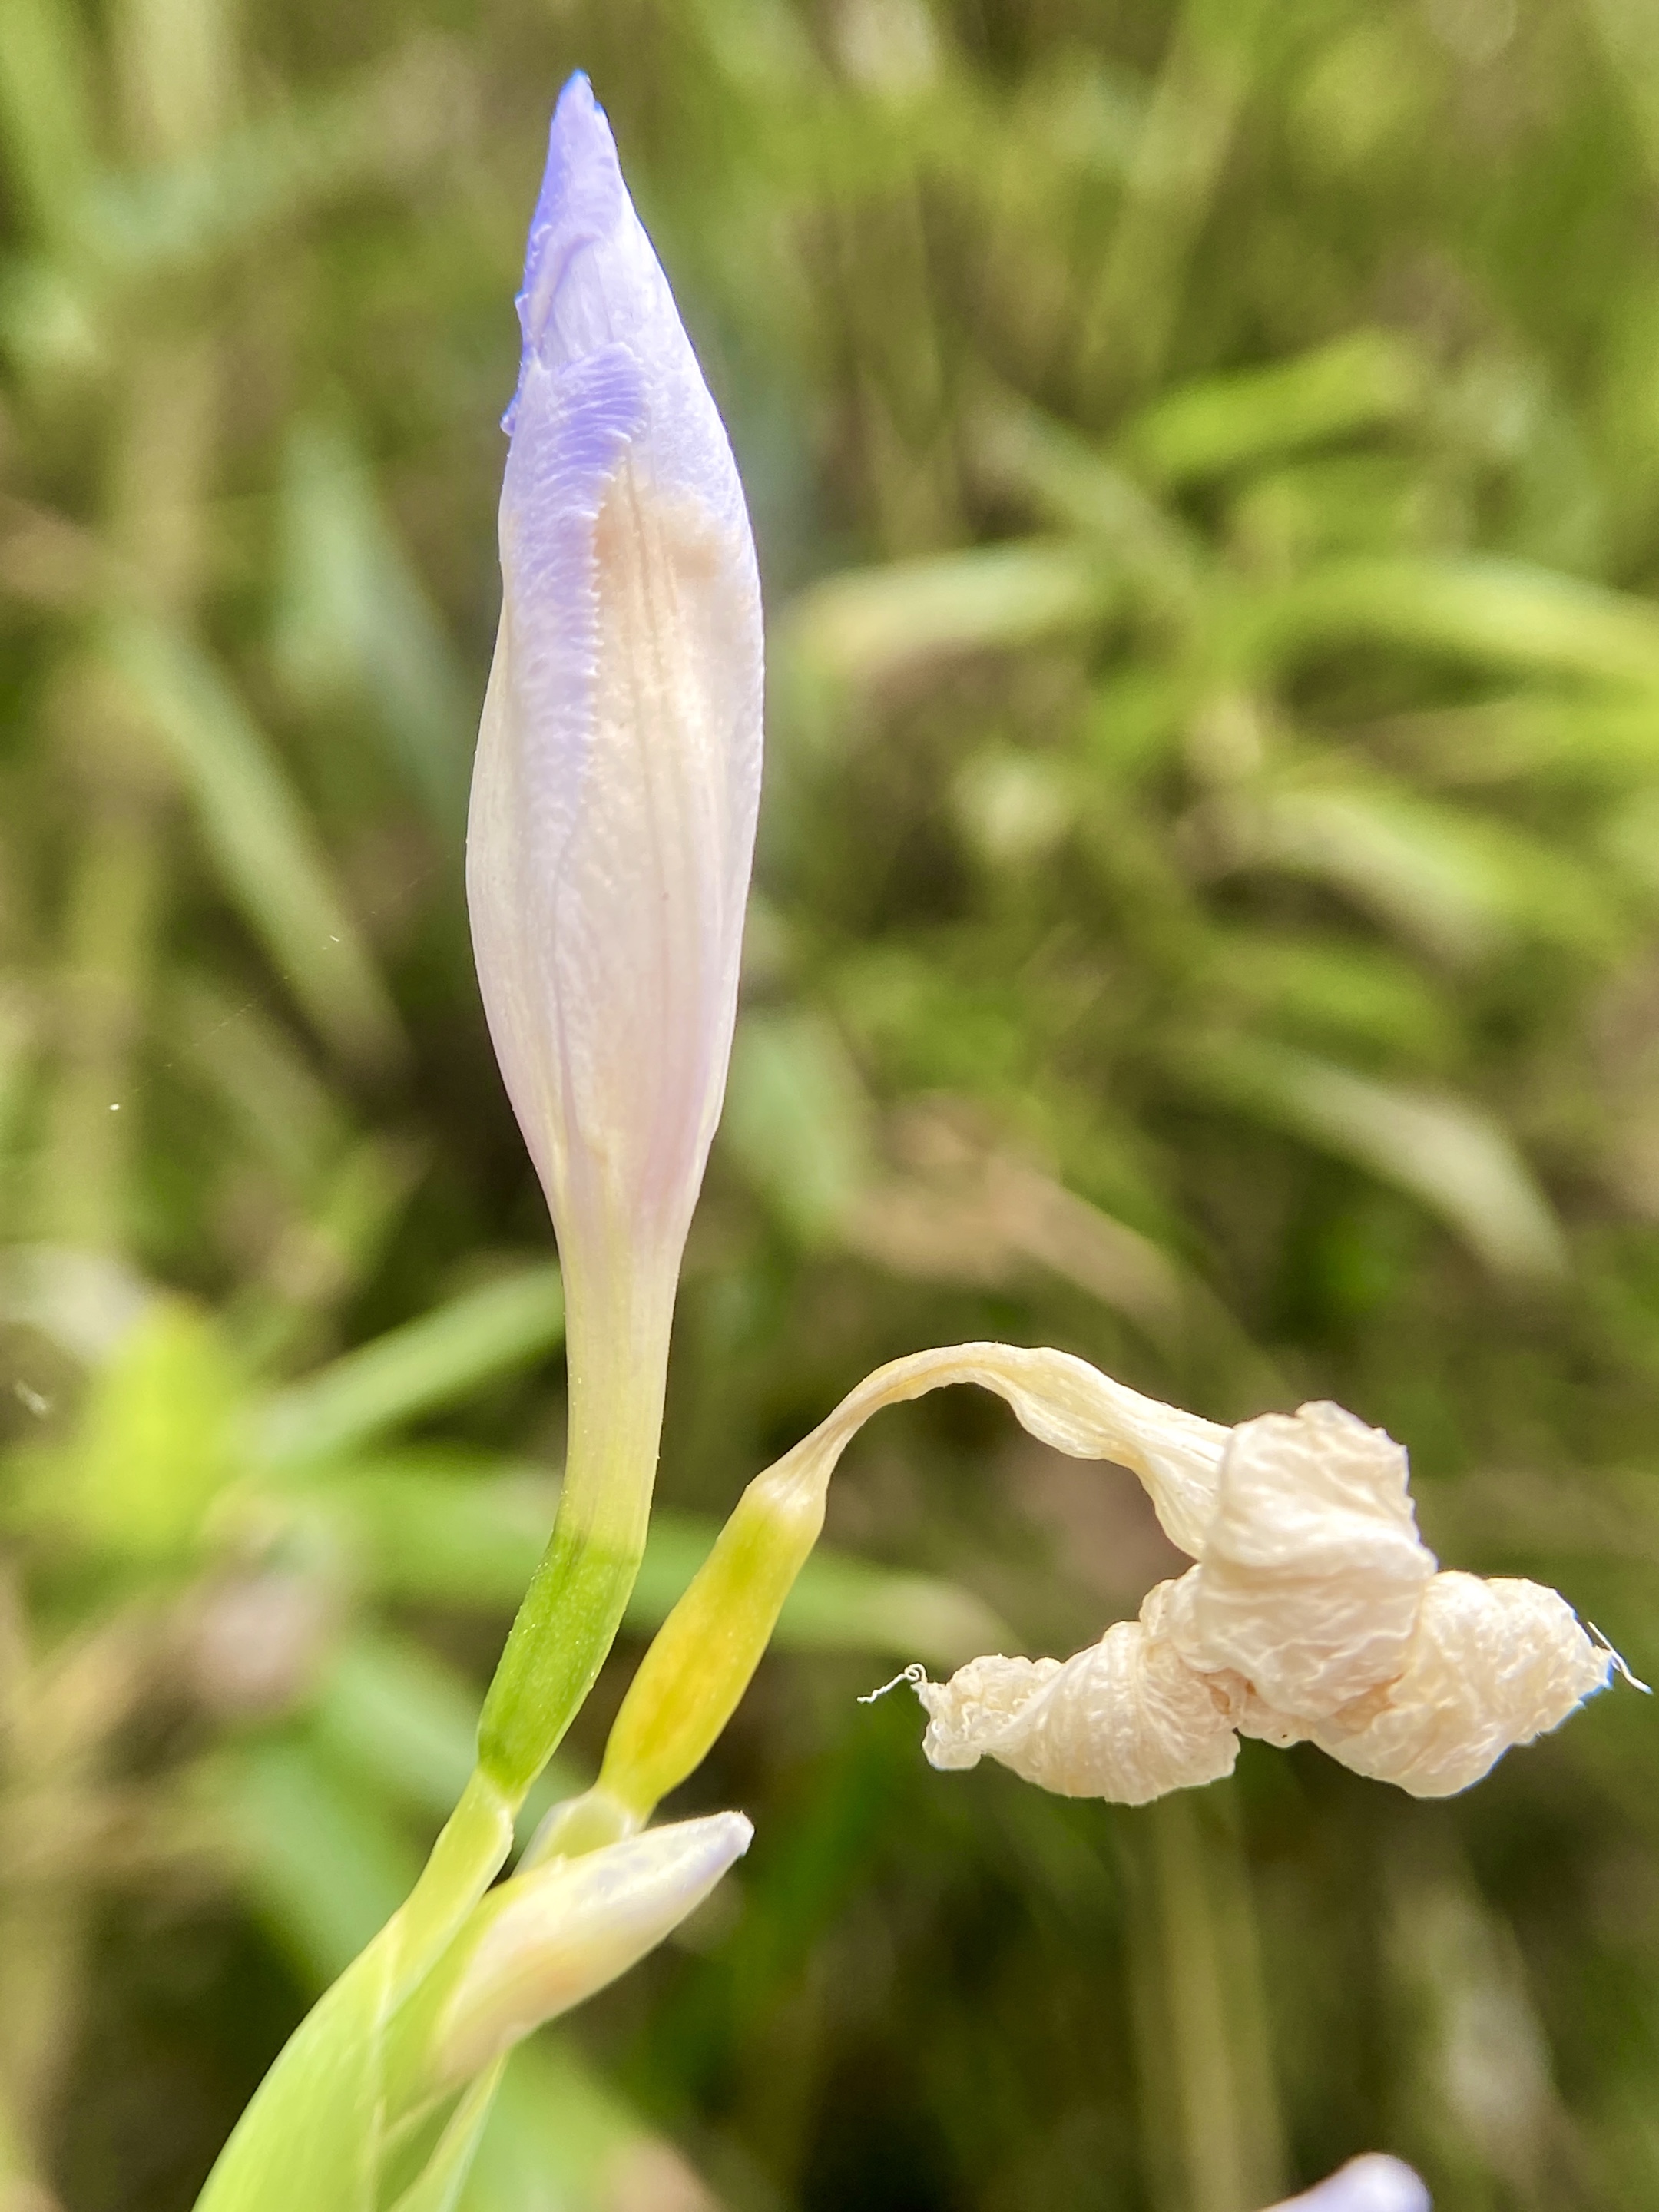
468 1855
618 1353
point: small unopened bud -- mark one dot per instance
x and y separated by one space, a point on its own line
545 1941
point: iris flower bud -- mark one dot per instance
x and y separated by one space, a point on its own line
613 821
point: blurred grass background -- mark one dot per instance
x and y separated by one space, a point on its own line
1205 464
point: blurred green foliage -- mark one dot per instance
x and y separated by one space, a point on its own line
1205 459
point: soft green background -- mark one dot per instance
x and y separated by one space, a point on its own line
1205 465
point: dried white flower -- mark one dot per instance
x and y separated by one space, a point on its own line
1314 1613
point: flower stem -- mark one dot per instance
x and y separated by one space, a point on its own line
618 1357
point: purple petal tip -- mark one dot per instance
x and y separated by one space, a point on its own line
582 191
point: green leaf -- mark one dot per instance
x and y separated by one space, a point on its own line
155 1446
1365 381
1443 1152
415 1370
258 838
1458 883
1492 613
324 1862
355 623
314 2134
872 624
797 1120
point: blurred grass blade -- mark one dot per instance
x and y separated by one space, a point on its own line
1447 1154
1076 487
281 166
1334 991
1458 883
426 1526
561 2139
257 837
46 113
843 1603
392 1715
875 624
1178 162
416 1370
797 1120
354 623
1211 2117
448 1538
255 1065
1630 32
324 1862
1495 613
1363 381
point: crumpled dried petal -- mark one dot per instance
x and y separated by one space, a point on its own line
1311 1567
1490 1664
1128 1719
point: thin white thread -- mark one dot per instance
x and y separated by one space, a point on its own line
914 1673
1618 1659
